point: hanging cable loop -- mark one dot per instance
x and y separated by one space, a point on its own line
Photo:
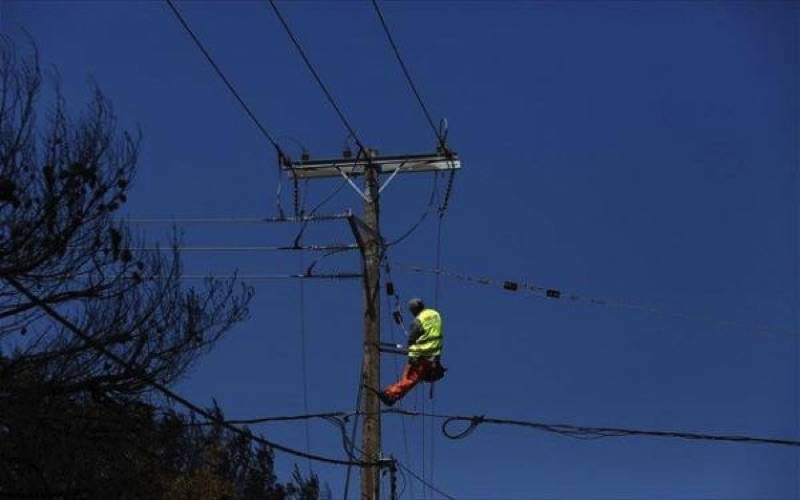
474 422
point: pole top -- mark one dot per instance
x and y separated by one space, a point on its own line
334 167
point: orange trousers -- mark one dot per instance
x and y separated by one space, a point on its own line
413 373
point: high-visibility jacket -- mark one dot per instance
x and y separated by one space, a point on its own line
429 344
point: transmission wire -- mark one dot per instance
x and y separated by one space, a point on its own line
584 432
225 79
314 72
393 330
163 389
439 136
303 361
558 294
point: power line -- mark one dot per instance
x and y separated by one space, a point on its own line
439 136
393 330
328 276
558 294
583 432
426 212
318 79
241 220
225 79
436 293
351 444
280 418
423 481
166 391
568 430
246 248
303 367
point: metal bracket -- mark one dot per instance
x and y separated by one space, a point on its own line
353 184
396 171
390 348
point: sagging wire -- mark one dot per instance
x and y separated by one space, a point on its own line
334 276
568 430
248 248
395 322
436 294
163 389
303 361
441 138
305 219
558 294
424 482
427 211
349 449
325 200
285 161
316 75
226 81
583 432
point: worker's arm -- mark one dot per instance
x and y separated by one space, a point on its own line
415 332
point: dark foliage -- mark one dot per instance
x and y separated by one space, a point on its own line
73 424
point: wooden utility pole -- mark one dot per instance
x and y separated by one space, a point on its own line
371 247
370 242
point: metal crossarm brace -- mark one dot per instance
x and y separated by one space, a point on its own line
383 164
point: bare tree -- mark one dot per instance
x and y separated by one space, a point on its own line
62 181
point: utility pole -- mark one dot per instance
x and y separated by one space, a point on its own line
371 251
367 233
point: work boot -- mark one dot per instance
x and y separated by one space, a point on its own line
386 399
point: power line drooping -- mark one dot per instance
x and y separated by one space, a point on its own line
556 293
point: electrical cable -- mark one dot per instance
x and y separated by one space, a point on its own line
303 365
281 418
422 448
428 210
439 136
391 290
261 277
254 248
318 79
359 393
558 294
436 294
584 432
225 79
423 481
447 193
241 220
324 201
393 330
163 389
568 430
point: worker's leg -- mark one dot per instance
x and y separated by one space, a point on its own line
411 377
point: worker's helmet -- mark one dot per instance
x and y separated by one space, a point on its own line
416 306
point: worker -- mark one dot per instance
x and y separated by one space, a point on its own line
424 353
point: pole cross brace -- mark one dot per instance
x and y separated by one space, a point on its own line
364 196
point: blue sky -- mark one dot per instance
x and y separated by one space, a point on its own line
639 151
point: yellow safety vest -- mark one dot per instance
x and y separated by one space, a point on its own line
429 344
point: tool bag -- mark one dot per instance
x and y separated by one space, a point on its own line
437 371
